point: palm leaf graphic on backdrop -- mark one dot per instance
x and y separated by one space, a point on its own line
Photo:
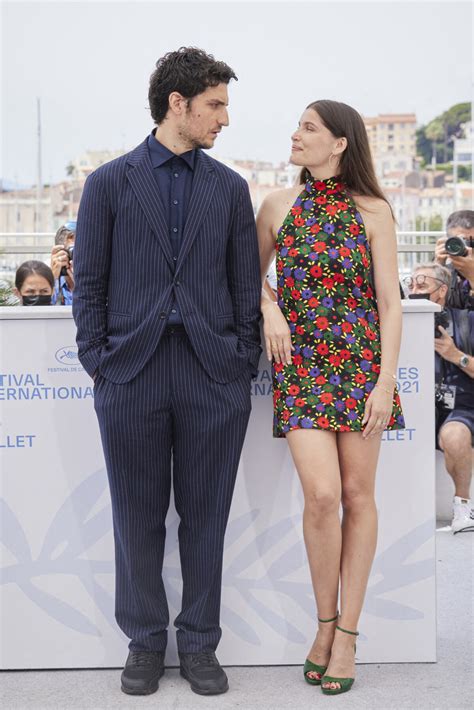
64 545
61 553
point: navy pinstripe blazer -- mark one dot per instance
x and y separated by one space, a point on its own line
125 275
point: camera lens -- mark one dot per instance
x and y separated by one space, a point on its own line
455 246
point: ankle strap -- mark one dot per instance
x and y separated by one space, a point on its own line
326 621
352 633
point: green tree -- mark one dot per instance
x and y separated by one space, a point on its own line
436 138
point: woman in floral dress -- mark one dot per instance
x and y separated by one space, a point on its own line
333 336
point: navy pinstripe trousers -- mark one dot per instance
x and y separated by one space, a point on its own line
172 411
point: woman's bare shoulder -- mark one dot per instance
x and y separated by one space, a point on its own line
373 206
286 195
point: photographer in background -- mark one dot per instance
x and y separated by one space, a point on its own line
454 391
62 264
456 252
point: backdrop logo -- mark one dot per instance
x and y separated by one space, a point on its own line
67 355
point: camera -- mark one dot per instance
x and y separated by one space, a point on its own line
455 246
70 253
441 318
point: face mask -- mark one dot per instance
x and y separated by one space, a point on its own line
36 300
414 296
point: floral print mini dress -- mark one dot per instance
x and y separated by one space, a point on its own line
323 265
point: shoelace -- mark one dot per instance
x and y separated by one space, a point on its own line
206 658
142 658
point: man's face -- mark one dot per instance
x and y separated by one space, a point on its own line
424 281
204 118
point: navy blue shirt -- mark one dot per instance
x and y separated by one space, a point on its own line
174 175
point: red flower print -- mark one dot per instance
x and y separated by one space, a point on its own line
288 241
290 282
297 209
323 422
321 200
319 247
360 378
297 359
375 367
367 354
300 402
302 371
293 389
321 380
351 302
347 327
331 210
339 278
345 354
358 281
361 248
322 349
370 334
322 323
344 251
319 185
316 271
328 283
278 366
365 261
315 228
335 360
351 403
285 415
293 252
341 206
326 397
313 302
369 293
299 329
298 222
354 229
296 294
293 317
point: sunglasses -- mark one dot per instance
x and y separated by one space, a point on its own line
419 280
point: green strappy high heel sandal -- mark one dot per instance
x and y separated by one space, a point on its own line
310 667
345 684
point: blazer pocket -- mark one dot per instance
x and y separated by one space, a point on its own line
118 313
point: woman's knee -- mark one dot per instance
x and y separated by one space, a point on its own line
357 497
320 502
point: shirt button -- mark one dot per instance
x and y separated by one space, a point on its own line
175 229
176 174
175 202
177 283
175 258
173 310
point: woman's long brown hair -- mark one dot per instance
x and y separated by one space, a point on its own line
356 167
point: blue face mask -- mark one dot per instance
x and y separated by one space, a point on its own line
39 300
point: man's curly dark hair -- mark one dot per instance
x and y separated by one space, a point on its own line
189 71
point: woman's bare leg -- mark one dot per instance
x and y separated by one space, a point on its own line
358 462
315 456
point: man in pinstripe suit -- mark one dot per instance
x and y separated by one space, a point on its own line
166 304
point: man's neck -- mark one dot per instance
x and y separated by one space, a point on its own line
171 140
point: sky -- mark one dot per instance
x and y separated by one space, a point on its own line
90 63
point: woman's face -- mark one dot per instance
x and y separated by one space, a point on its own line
35 285
312 143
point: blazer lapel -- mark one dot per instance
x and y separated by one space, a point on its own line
146 190
204 183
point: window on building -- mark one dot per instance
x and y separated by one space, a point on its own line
390 126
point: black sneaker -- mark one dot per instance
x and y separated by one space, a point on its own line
204 673
143 670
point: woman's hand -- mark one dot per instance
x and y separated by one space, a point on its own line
378 411
277 333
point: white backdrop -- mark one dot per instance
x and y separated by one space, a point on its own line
56 567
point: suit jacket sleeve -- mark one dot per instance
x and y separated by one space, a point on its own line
92 255
243 269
